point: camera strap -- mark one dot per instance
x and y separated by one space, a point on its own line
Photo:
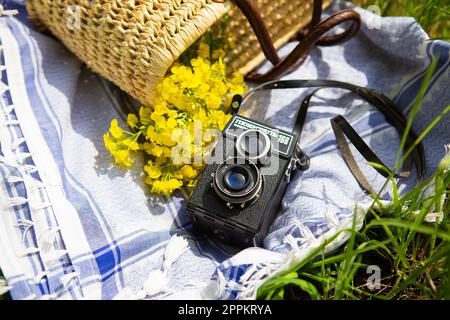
343 130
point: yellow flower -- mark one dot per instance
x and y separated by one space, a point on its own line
213 101
218 69
218 54
132 120
153 171
153 149
237 84
166 187
151 134
171 124
202 67
134 146
144 115
115 130
187 172
122 157
167 153
203 50
109 143
190 102
218 119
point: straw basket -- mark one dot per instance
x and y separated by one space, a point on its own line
134 42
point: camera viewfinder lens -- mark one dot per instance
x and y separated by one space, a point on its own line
253 145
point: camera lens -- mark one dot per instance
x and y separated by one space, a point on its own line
237 178
237 181
253 144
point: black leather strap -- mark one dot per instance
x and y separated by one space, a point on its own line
343 130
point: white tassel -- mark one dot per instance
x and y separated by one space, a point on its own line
141 294
40 206
16 201
59 253
263 273
29 169
27 225
156 282
236 286
24 223
65 279
291 241
331 217
49 296
3 88
14 179
432 217
52 258
35 185
38 278
7 13
47 238
248 273
174 249
29 251
12 123
22 157
17 142
306 232
9 108
126 294
215 289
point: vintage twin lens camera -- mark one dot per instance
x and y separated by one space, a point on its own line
240 190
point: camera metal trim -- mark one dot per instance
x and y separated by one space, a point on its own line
265 140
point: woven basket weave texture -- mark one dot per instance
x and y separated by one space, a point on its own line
134 42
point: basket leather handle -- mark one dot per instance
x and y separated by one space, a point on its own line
313 35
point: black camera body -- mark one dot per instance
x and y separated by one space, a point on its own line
238 196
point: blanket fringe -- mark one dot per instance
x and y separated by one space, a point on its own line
7 13
157 281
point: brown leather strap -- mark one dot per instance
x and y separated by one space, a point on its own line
324 40
315 19
314 34
250 11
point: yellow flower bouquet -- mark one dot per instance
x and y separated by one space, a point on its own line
191 102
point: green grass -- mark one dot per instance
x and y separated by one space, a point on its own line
411 253
433 15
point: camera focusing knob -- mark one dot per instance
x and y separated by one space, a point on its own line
236 103
302 160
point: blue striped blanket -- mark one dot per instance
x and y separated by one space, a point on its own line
74 226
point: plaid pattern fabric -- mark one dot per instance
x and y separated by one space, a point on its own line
74 226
